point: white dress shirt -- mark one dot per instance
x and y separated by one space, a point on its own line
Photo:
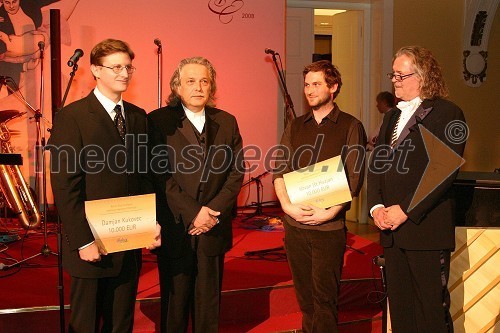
407 108
196 118
108 104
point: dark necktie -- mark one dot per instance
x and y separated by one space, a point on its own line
394 136
120 121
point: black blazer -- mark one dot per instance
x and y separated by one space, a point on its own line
83 145
207 175
430 224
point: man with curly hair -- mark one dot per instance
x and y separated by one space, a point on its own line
417 237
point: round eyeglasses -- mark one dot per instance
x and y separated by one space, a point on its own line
119 68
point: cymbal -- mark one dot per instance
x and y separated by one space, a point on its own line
7 114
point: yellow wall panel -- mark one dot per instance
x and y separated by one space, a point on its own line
475 280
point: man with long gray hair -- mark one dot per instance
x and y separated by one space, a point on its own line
200 182
417 227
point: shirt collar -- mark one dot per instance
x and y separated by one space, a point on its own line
108 104
333 115
408 107
194 115
196 118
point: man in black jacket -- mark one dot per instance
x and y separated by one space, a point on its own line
200 186
94 155
417 228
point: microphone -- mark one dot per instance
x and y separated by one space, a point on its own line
4 80
41 45
157 41
269 51
75 57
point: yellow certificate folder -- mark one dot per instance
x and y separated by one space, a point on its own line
123 223
323 184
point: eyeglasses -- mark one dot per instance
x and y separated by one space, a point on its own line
399 77
119 68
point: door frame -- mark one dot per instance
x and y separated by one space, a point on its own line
371 86
377 59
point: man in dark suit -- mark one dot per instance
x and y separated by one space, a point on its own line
417 231
385 102
94 147
200 185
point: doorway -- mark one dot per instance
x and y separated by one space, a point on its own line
360 62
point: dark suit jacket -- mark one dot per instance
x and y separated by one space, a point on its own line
83 145
195 179
430 224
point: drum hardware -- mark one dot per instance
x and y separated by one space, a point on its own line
26 194
55 60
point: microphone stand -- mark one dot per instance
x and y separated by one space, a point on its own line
159 57
289 112
258 212
258 204
41 136
72 75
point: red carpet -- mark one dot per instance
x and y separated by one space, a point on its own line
258 294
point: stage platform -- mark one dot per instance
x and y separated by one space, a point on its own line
258 294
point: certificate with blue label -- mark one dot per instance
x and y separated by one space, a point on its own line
123 223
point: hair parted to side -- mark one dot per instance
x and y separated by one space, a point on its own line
332 74
175 81
428 69
387 97
107 47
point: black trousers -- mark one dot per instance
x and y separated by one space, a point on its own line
190 284
419 300
316 259
110 299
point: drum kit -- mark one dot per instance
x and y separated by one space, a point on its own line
15 192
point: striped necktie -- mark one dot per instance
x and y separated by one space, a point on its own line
120 121
394 136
